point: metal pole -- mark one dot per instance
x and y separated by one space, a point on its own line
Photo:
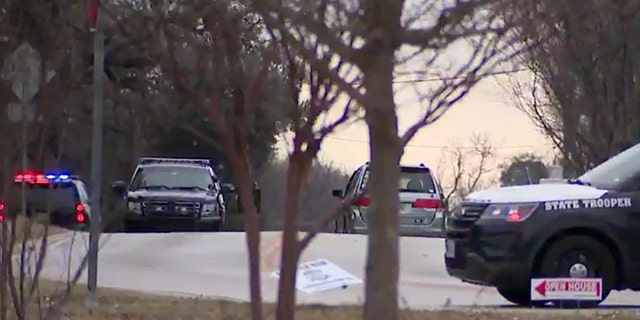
96 163
25 147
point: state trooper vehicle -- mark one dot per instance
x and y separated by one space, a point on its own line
587 227
172 194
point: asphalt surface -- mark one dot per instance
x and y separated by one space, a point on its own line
214 265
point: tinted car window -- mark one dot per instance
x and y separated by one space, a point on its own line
411 180
416 180
51 197
365 181
616 171
352 183
172 177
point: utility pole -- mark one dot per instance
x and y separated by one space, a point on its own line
93 7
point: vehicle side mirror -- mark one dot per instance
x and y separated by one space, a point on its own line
337 193
119 187
228 188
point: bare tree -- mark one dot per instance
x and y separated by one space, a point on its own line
580 93
218 59
24 245
466 168
370 35
311 123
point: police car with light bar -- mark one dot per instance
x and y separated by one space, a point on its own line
172 194
63 197
587 227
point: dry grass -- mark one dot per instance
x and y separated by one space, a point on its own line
119 304
32 228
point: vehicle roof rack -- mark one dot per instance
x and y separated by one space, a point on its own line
148 160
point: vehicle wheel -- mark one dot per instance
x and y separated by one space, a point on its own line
580 257
519 296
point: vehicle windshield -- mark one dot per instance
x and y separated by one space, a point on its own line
616 171
172 177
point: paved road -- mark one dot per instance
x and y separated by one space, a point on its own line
214 265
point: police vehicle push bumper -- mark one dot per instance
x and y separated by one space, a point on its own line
177 215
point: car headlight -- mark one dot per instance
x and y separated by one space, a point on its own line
209 209
511 212
135 207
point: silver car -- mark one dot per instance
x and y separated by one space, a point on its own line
422 207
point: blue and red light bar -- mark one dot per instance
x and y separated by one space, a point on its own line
39 178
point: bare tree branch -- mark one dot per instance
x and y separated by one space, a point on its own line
469 168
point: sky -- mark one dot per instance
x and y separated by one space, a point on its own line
487 110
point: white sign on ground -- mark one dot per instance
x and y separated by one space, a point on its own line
566 289
321 275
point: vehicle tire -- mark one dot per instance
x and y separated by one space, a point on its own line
519 296
580 253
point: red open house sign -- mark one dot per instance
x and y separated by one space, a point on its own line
566 289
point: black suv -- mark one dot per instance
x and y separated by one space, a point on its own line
169 193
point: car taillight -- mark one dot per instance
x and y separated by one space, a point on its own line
363 201
80 216
428 204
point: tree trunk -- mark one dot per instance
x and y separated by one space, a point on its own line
381 287
244 181
290 256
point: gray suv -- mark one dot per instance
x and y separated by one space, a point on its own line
422 205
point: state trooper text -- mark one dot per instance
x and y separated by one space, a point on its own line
588 204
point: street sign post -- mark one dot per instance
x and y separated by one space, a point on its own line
566 289
24 69
93 10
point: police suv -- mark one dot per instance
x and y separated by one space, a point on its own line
64 198
172 194
587 227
